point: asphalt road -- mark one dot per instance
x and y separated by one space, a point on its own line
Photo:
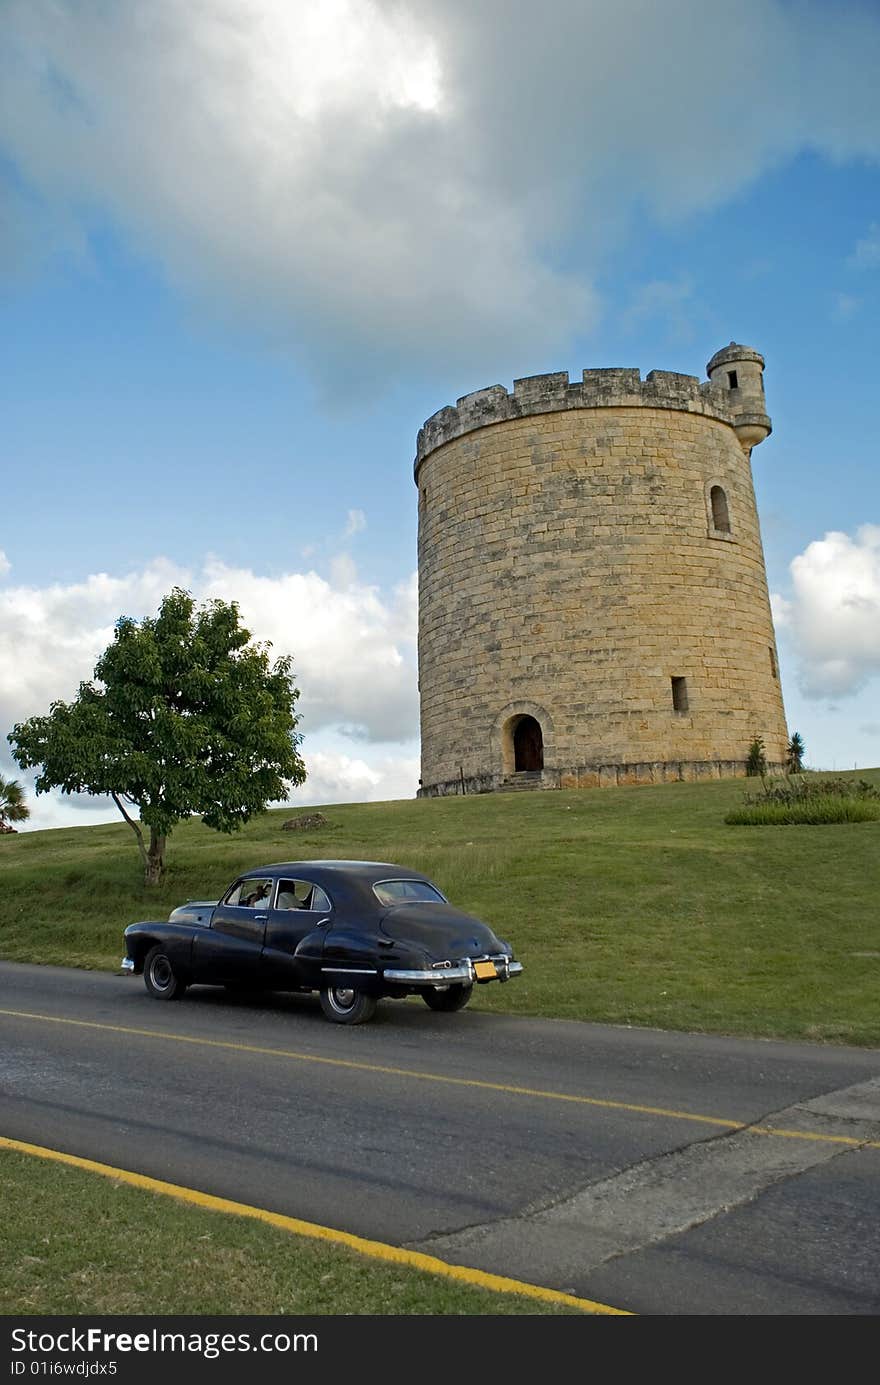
661 1173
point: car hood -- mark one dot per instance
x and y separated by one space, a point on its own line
441 930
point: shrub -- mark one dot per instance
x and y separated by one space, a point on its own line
811 801
756 764
794 753
789 790
12 805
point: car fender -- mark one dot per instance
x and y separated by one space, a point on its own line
310 949
176 938
194 911
345 943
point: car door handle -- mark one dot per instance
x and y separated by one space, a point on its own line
260 918
322 923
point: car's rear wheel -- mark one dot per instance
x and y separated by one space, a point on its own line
161 977
345 1005
451 998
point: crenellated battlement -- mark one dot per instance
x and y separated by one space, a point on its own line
597 389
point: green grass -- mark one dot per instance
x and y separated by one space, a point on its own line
632 906
814 812
77 1243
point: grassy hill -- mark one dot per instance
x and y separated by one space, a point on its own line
633 905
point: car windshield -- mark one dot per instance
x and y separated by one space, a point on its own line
407 892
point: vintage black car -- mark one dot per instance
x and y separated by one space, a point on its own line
355 931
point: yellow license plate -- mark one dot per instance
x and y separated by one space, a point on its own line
484 970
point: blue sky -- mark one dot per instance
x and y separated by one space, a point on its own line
249 246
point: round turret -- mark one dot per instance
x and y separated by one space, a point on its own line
740 370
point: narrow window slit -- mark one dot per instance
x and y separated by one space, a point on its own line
720 512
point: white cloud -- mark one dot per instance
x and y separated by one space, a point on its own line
832 619
376 182
781 609
353 650
335 778
57 632
5 564
67 810
356 523
295 166
343 571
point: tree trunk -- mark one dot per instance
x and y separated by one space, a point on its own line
139 836
155 858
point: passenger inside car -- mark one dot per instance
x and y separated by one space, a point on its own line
259 898
294 894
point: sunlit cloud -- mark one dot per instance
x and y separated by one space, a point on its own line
832 618
372 184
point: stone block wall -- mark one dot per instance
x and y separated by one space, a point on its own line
570 568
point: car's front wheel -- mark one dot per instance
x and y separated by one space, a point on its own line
345 1005
449 999
161 978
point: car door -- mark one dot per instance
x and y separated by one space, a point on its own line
231 949
300 908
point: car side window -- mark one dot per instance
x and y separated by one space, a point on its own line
250 894
234 895
301 894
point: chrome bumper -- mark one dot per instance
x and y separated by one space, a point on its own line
448 976
127 965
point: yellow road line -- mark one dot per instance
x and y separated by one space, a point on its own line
508 1088
377 1250
781 1134
380 1068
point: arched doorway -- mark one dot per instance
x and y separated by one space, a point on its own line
528 745
523 741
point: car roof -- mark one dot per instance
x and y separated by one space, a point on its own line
366 872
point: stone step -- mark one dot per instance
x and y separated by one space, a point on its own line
522 781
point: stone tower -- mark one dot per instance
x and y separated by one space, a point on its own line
593 603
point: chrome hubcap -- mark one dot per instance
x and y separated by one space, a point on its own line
161 973
342 997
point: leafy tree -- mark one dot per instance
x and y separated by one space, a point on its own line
795 754
12 805
756 764
183 715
